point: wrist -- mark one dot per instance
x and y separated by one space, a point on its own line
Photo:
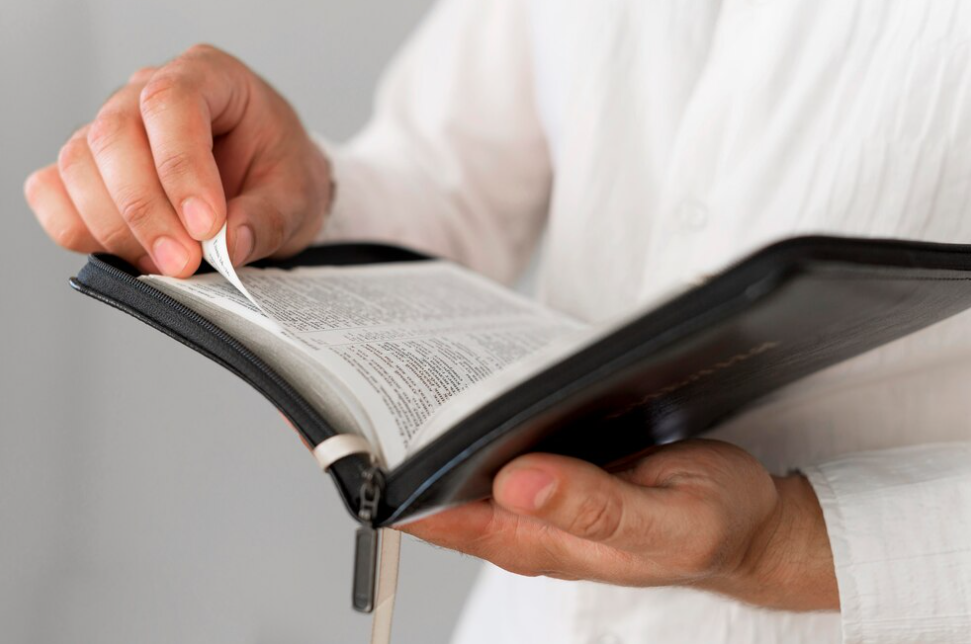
788 564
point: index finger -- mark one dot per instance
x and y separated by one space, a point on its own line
179 106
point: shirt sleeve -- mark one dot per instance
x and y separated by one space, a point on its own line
899 524
453 161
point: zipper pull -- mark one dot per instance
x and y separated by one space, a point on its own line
366 545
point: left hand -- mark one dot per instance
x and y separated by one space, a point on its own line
697 513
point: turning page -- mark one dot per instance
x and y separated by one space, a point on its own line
401 339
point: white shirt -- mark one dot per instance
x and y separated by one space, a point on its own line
656 141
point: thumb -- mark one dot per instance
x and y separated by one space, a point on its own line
583 500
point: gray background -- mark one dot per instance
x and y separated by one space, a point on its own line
145 494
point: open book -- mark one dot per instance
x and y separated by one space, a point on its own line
448 376
383 350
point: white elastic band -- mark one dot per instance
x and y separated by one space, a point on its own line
340 446
387 586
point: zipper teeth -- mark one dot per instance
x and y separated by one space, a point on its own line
195 317
370 496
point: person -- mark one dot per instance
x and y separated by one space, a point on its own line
652 143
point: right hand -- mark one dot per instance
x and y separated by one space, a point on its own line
174 154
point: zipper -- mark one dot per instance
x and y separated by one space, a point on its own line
236 345
367 539
367 543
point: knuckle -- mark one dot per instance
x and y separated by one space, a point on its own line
174 164
137 211
141 74
203 50
35 184
115 239
70 235
595 518
204 55
158 93
106 129
72 154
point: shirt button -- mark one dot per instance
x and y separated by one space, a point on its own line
693 215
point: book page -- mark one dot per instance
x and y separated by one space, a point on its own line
399 339
563 346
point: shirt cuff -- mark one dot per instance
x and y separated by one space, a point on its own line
899 524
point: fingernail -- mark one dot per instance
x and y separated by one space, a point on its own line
527 489
199 217
242 245
170 256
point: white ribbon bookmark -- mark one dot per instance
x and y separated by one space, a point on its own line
340 446
331 450
327 453
387 586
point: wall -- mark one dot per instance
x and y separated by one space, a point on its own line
145 494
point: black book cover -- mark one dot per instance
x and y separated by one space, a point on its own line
789 310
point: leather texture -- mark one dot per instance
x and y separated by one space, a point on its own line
783 313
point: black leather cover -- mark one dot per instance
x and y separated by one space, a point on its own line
789 310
